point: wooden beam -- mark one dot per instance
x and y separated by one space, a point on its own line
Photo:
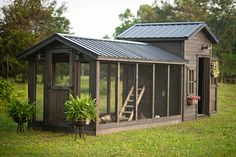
117 91
108 88
97 81
32 81
73 73
92 79
168 90
136 91
97 87
184 90
138 61
78 86
153 88
47 86
181 89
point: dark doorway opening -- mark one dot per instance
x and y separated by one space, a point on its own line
203 85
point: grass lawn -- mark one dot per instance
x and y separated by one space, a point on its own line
214 136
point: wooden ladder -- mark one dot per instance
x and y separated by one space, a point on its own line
129 104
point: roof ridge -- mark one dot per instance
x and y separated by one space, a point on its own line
169 23
109 40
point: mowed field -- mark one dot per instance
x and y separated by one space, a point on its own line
214 136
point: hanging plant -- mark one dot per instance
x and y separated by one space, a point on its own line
215 71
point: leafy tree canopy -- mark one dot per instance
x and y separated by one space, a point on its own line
219 15
24 23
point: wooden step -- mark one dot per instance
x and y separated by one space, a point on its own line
129 106
124 119
130 100
128 112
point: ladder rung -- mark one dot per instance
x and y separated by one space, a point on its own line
127 112
130 106
130 100
124 118
140 88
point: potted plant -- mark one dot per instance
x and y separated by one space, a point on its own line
20 111
193 100
80 111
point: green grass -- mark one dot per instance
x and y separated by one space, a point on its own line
214 136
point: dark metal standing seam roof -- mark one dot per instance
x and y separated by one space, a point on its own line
104 49
123 49
173 30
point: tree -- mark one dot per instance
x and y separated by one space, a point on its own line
127 20
219 15
24 23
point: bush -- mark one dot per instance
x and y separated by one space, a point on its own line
6 90
20 111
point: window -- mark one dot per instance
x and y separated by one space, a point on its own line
40 91
84 79
191 82
61 69
107 93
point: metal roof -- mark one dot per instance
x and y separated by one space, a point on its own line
173 30
111 49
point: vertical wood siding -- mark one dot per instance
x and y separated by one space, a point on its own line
192 48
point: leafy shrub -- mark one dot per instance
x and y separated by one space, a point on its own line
20 111
6 90
80 108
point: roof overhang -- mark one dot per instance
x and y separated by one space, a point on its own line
49 40
202 27
141 61
90 51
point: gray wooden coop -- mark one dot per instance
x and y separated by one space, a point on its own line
141 79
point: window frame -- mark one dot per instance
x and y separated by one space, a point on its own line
191 81
61 51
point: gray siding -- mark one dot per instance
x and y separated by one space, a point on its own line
175 47
193 49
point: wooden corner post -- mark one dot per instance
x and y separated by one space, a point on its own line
168 90
117 91
153 89
136 91
94 80
108 88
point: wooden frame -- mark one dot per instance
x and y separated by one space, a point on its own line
108 88
168 91
136 92
153 88
117 90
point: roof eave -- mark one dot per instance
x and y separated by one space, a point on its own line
208 32
154 39
36 47
116 59
54 37
211 35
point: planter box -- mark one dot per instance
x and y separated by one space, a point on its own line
193 100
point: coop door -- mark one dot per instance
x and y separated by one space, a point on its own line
61 84
204 85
